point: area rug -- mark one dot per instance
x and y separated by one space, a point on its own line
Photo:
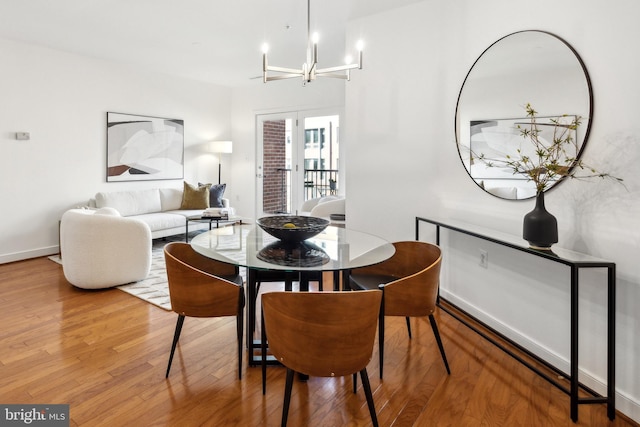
154 289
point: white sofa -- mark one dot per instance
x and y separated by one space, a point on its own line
101 249
159 208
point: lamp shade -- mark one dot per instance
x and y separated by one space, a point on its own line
224 147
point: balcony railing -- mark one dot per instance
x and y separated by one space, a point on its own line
320 183
317 183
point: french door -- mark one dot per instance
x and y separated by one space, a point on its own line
298 159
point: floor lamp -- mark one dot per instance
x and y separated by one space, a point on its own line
221 147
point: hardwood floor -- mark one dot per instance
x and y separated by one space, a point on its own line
105 353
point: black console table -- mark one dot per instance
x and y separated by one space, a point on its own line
575 261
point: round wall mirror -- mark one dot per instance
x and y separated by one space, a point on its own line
526 67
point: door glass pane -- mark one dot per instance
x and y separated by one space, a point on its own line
321 156
277 164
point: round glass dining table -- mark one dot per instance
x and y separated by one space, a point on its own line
335 249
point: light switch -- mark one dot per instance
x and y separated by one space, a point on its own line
23 136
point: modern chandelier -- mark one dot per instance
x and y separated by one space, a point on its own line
309 71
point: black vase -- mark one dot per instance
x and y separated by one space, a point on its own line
540 228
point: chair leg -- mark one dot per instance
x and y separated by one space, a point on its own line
409 327
287 396
434 326
367 392
239 329
381 340
257 293
176 337
263 355
355 382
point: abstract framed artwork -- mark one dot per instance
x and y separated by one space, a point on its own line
144 148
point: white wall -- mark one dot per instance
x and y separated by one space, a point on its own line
403 159
62 100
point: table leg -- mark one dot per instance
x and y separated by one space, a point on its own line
251 311
345 280
611 343
574 345
288 282
304 282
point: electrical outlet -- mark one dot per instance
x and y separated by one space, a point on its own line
484 259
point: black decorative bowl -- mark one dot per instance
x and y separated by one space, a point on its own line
290 228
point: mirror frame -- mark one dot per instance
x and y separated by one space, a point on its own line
588 119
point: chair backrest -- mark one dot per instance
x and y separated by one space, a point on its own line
417 267
196 284
322 334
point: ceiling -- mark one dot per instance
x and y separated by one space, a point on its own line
217 41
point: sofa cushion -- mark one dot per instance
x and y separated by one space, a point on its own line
162 220
504 192
129 203
216 193
195 197
170 198
185 212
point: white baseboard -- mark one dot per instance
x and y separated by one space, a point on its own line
33 253
624 403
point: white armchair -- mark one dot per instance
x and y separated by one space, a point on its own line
308 205
325 209
101 249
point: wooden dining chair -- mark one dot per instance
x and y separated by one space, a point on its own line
203 287
409 281
286 277
322 334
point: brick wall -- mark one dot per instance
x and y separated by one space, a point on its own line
273 190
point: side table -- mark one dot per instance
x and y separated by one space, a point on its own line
224 220
575 261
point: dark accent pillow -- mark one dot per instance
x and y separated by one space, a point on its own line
195 198
216 192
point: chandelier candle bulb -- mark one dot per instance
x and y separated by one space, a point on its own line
315 52
265 49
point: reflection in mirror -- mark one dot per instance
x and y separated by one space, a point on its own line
533 67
